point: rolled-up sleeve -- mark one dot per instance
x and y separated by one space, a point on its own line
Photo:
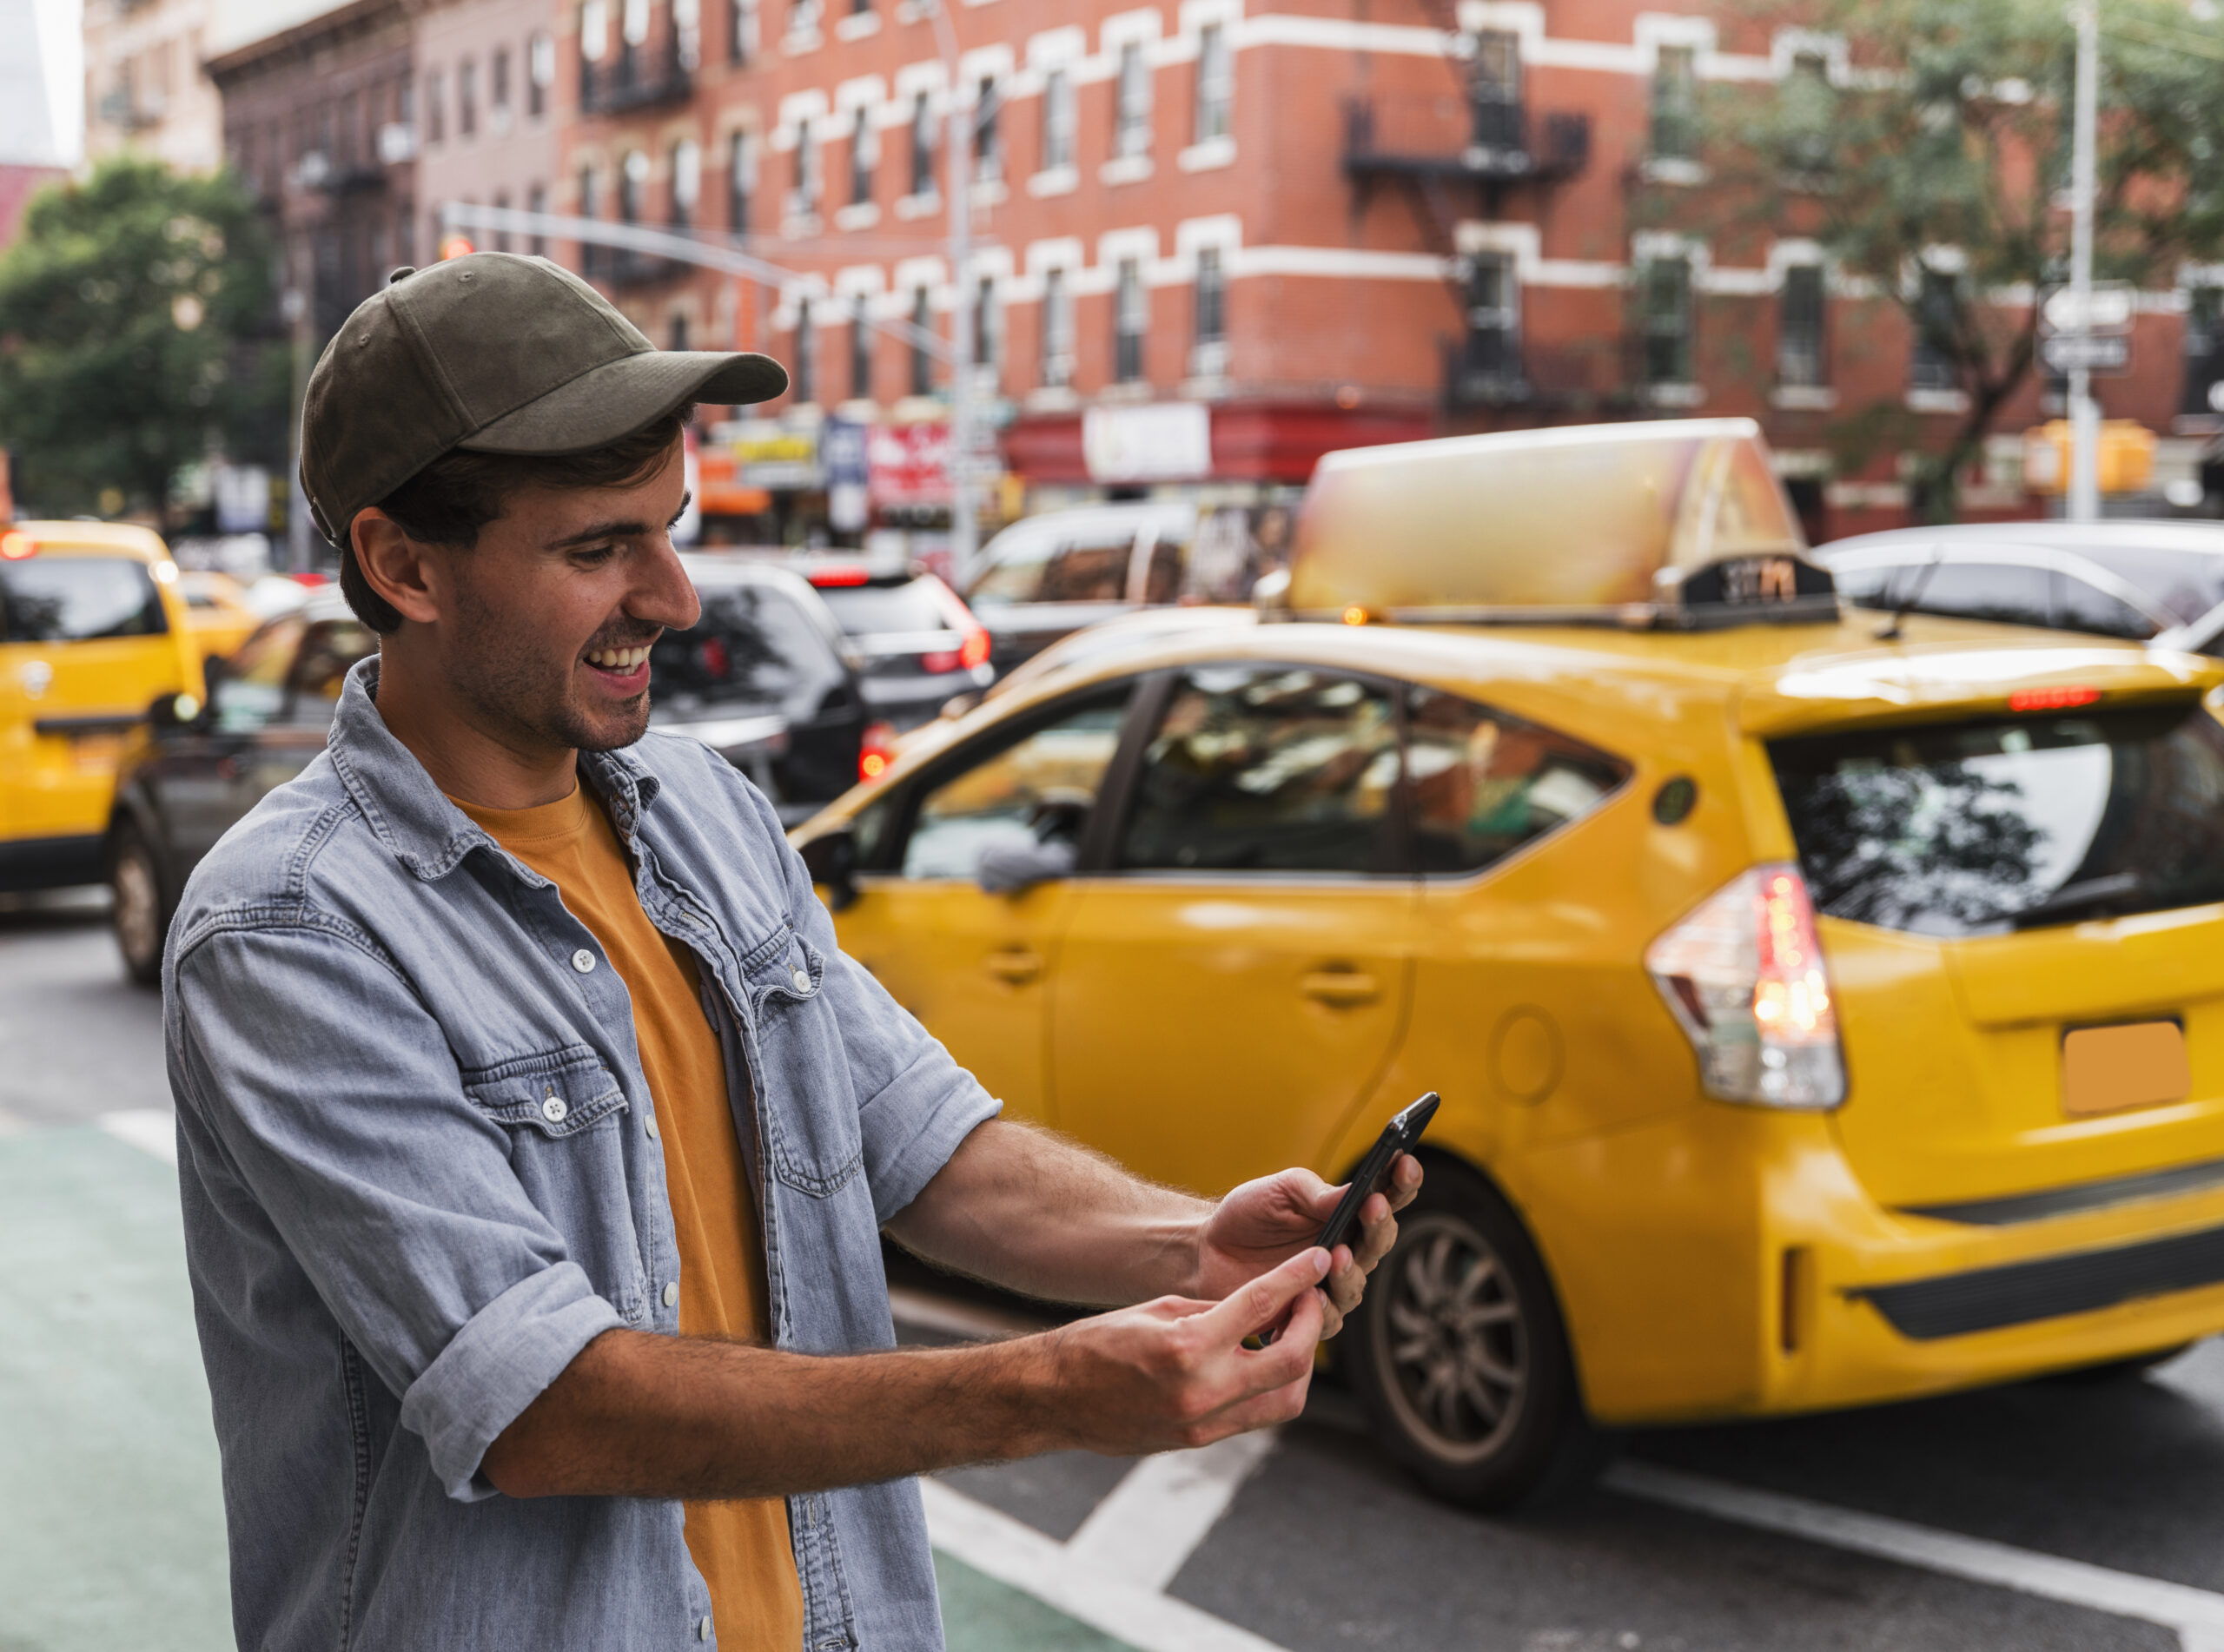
334 1099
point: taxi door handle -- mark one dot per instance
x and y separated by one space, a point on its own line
1341 988
1015 967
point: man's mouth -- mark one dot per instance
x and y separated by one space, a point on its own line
625 669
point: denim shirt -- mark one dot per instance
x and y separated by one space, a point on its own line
420 1176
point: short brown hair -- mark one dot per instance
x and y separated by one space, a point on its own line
460 493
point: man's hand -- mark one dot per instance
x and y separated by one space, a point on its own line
1175 1373
1264 1222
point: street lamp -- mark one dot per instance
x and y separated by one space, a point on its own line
2084 412
964 527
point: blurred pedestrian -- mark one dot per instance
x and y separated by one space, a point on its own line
537 1137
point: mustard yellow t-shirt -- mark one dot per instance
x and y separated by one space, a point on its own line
741 1547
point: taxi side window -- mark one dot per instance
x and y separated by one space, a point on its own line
1482 783
1035 789
1089 568
1266 768
78 599
2081 606
252 690
328 652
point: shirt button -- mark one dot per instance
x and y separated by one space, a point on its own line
802 980
649 1122
703 1630
671 1300
583 961
553 1109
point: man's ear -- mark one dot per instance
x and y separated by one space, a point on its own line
404 571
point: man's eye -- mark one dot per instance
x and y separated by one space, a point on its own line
593 555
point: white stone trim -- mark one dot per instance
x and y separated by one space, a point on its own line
1211 155
1058 181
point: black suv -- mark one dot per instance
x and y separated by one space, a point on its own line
763 679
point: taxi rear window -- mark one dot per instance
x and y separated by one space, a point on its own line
2002 823
78 599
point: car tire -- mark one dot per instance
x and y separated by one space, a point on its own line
1460 1321
138 910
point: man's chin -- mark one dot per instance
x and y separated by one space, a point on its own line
609 731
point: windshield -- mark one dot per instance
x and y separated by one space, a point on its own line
865 610
78 599
752 643
1983 827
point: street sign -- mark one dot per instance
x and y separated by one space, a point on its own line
2096 352
2110 310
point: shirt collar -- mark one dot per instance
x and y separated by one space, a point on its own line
408 812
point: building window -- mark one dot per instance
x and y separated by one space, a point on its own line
922 363
742 33
1494 90
988 142
1057 119
1211 306
1809 111
2204 338
467 98
804 357
803 19
540 73
1130 320
632 184
687 34
1131 104
1057 330
536 201
1675 103
435 109
860 353
592 256
501 236
1930 364
687 181
499 79
1489 345
805 199
741 180
864 155
988 329
1215 83
676 332
1668 320
1800 360
923 146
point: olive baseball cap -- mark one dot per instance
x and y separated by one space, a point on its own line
497 354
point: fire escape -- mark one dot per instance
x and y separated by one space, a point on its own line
1456 156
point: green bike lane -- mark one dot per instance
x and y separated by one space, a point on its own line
111 1515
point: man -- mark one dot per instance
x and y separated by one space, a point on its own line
536 1136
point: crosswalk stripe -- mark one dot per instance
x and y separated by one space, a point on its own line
149 1129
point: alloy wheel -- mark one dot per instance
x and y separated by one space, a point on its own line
138 909
1453 1346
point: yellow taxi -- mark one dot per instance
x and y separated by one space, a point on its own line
217 612
92 632
1828 1006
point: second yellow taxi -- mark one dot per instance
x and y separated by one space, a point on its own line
1827 1008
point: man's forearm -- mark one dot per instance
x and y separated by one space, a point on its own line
1032 1211
640 1415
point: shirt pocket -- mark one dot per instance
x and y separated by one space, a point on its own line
563 1111
808 1103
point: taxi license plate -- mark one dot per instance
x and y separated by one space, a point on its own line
2106 1069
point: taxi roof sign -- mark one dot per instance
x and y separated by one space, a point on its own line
1671 523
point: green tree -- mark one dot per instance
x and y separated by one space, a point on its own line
130 307
1931 169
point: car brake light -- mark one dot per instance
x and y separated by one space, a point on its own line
877 750
16 546
2051 699
974 649
1743 975
840 576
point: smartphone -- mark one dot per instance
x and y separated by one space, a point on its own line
1373 1176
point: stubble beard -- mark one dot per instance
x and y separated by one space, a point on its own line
524 696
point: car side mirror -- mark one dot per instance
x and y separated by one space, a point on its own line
831 860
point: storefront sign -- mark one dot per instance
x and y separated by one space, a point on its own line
909 465
842 446
776 456
1166 441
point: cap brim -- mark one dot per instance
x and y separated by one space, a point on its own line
613 400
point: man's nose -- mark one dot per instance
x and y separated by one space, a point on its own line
665 595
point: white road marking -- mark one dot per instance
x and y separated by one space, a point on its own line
149 1129
10 1125
924 1310
1156 1517
2196 1613
1017 1555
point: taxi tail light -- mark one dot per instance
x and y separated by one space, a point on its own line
1744 976
876 751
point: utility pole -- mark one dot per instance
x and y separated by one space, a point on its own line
2084 412
964 524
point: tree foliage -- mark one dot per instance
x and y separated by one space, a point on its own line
131 305
1930 162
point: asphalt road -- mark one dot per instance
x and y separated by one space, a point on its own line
1320 1544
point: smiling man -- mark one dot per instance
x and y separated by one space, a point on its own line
537 1138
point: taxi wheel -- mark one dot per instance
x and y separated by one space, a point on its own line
1458 1354
136 908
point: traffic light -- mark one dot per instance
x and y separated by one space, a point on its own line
2127 457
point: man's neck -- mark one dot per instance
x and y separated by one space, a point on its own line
492 769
